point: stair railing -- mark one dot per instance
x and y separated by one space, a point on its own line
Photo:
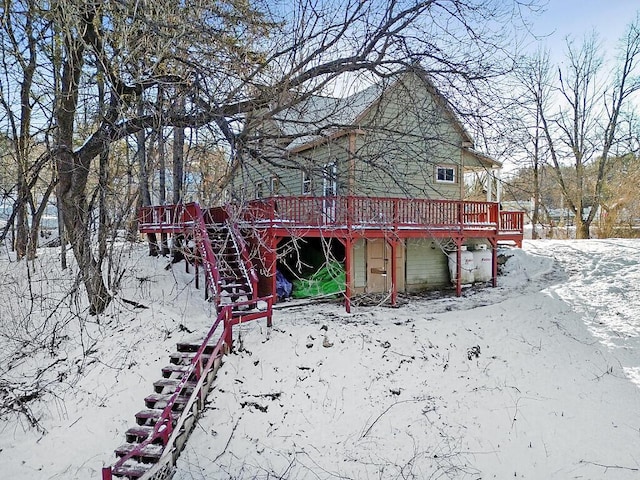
190 216
247 265
193 213
164 429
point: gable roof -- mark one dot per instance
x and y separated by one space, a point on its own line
319 118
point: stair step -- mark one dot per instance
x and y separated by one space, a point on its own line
173 369
193 347
173 384
233 254
152 400
131 471
151 415
230 274
148 454
139 433
184 358
236 280
234 285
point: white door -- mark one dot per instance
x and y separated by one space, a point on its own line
329 191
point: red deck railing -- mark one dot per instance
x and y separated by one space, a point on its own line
381 212
349 212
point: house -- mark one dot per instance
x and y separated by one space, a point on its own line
374 180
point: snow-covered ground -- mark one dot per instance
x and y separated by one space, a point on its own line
538 378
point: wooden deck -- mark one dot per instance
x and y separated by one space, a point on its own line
352 216
337 216
268 221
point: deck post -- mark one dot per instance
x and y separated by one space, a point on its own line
459 266
494 261
348 245
394 272
228 330
272 263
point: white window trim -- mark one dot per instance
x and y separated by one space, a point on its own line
454 168
306 183
275 185
259 189
330 179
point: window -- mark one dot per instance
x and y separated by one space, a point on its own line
259 189
446 174
330 179
275 185
306 183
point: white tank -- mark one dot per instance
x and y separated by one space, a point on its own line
483 262
467 266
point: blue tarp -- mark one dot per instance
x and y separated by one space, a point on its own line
283 286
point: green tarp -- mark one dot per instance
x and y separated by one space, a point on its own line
328 280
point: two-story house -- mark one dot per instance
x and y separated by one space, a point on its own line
374 180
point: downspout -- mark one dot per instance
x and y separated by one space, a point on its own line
351 162
461 171
489 185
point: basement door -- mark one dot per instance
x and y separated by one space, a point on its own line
378 265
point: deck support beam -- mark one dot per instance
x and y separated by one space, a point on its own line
494 261
272 262
348 245
394 270
458 241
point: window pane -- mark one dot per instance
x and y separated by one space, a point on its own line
446 174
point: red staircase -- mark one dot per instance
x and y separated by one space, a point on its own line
162 428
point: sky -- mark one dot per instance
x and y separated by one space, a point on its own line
577 18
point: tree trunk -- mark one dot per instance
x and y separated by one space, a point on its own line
73 174
21 238
582 228
76 216
178 159
61 235
164 244
36 220
145 194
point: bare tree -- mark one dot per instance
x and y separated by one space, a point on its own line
21 50
534 76
229 58
584 130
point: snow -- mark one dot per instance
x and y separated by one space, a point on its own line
537 378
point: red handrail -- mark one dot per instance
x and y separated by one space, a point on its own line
352 211
164 426
512 221
192 217
384 211
164 429
244 253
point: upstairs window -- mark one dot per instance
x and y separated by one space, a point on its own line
306 183
446 174
275 185
330 180
259 189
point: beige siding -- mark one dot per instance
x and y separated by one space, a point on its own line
400 266
313 161
400 141
403 145
359 260
427 265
